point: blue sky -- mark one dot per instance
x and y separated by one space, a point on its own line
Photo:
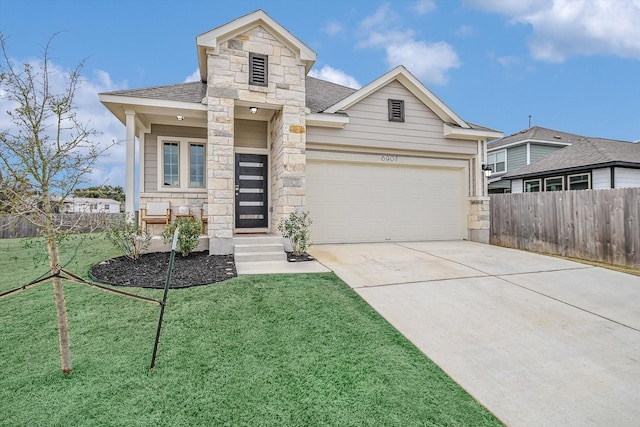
573 65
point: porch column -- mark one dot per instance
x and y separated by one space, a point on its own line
130 172
220 181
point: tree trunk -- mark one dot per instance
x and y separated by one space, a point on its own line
61 307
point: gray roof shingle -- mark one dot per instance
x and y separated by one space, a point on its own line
183 92
583 154
535 133
320 94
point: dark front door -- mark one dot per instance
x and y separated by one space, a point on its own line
251 191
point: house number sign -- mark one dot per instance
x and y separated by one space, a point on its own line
389 158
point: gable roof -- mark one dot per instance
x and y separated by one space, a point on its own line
582 155
213 38
415 86
535 134
454 126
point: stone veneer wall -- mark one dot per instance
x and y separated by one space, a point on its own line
228 79
478 220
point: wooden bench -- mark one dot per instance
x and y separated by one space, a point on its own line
156 213
204 217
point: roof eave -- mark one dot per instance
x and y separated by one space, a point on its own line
327 120
471 134
493 146
583 168
118 104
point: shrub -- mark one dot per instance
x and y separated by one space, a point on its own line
295 227
187 236
128 237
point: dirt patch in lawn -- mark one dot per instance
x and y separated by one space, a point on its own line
150 270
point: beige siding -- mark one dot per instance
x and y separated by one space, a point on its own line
150 163
151 149
250 133
369 126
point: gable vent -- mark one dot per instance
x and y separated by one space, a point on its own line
396 110
258 69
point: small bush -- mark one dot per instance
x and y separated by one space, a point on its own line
187 236
295 227
128 237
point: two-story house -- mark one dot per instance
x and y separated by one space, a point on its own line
523 148
257 138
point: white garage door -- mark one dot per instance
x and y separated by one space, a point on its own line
361 202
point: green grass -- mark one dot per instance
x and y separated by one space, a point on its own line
280 350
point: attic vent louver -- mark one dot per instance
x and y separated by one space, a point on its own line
258 69
396 110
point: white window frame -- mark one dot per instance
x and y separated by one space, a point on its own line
524 185
554 177
579 174
493 165
184 164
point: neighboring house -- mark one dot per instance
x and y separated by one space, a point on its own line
590 163
258 138
90 205
515 151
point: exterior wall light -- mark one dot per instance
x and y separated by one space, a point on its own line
253 110
180 118
487 170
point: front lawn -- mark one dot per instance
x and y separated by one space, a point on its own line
255 350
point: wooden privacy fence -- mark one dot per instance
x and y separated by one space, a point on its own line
11 227
598 225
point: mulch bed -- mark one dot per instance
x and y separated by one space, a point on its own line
150 270
304 257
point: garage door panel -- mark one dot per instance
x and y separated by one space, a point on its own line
361 202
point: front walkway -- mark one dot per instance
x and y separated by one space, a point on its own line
537 340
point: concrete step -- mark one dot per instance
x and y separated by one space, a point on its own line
260 256
269 247
257 240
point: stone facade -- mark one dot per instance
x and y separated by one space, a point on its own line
228 84
478 219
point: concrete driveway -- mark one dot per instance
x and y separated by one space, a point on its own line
538 340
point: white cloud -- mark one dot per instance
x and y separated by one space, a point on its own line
91 113
429 61
333 28
424 6
336 76
566 28
193 77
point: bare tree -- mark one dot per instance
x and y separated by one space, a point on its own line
46 152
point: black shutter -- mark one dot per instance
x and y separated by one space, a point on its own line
396 110
258 69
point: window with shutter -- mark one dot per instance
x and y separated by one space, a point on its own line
258 69
396 110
